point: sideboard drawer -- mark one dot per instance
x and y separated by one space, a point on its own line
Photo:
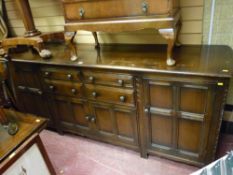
61 74
110 94
63 88
112 79
97 9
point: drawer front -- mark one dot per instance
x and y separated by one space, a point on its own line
112 79
78 10
61 74
63 88
110 94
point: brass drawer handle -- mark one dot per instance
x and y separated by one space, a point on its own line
91 79
120 82
122 98
144 7
94 94
69 76
47 74
52 88
81 12
74 91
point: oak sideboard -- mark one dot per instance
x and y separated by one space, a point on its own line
126 95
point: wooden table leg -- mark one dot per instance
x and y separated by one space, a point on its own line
69 39
97 45
170 35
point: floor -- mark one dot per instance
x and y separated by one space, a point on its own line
74 155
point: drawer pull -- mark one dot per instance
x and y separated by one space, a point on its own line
120 82
74 91
81 12
23 88
52 88
88 118
35 91
47 74
146 110
93 119
144 7
69 76
94 94
122 98
91 79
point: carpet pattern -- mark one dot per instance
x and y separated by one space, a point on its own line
74 155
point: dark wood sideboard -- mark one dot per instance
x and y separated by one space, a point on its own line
126 95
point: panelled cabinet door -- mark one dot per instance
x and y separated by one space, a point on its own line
178 117
115 123
71 114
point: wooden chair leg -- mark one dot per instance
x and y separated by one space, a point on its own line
69 39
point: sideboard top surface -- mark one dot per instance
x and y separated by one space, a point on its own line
200 60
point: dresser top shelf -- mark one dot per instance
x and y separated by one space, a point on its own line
199 60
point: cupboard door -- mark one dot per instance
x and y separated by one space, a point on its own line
178 117
115 123
71 114
126 126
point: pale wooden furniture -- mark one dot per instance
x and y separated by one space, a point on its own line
122 15
24 152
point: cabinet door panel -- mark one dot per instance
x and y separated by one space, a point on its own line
161 130
125 124
193 99
189 138
64 111
161 96
104 119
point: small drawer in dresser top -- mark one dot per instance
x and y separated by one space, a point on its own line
110 94
110 79
63 88
100 9
60 73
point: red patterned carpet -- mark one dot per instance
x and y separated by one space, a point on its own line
74 155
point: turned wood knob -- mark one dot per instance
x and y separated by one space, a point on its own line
52 88
74 91
122 98
91 78
120 82
69 76
146 110
93 119
94 94
88 117
47 74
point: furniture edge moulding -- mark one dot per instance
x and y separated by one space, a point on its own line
168 28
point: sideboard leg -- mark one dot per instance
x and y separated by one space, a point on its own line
69 39
97 45
170 36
